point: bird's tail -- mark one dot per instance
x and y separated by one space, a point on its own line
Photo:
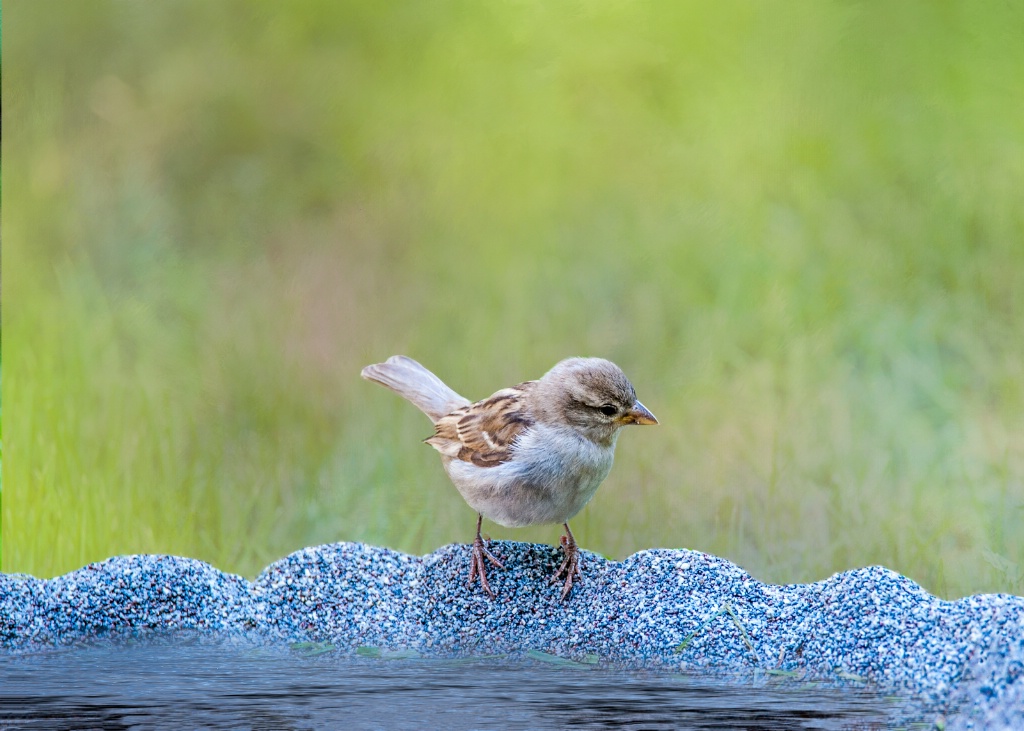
411 381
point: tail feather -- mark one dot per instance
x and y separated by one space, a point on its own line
412 381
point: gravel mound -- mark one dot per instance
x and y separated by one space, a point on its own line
960 663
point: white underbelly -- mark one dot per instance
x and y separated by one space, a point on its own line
549 480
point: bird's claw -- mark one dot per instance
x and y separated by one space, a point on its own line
477 565
571 565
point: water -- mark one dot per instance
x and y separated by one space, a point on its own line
180 686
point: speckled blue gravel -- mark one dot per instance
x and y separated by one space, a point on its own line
959 664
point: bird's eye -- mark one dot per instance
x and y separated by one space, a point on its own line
608 410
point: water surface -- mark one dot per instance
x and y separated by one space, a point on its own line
148 685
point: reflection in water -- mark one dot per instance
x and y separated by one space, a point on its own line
180 686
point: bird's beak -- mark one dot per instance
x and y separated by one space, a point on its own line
638 415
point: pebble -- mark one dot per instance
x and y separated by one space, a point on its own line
958 665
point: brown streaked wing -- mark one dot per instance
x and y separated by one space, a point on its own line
483 433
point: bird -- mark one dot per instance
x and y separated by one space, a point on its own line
531 454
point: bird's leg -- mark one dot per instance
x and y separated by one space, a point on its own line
571 565
480 552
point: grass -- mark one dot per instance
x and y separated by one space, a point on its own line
796 227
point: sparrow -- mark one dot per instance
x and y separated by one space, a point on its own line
530 454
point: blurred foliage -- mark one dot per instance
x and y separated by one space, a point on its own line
797 226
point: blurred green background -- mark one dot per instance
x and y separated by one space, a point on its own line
797 226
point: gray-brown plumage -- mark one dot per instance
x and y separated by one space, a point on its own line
485 432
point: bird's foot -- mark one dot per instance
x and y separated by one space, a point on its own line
477 564
572 565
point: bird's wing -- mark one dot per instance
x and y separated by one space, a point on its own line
483 433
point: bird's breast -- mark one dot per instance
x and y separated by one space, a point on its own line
553 473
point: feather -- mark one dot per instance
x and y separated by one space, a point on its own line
419 386
484 433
